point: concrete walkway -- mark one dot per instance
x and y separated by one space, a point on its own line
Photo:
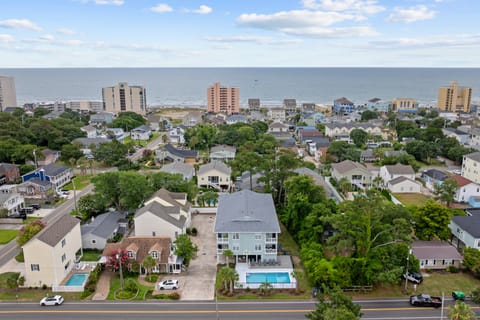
103 286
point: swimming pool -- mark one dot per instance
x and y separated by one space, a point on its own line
270 277
77 279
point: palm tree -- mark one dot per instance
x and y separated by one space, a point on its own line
344 185
461 311
148 263
228 276
377 182
228 254
265 288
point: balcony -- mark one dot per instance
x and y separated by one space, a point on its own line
222 240
271 240
271 251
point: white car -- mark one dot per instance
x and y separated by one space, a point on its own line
168 284
52 301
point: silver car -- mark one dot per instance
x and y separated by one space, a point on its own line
52 301
168 284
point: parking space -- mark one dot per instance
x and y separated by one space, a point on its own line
197 283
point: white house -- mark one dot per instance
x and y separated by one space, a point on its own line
222 153
466 189
11 201
215 174
175 135
471 166
390 172
165 214
90 131
142 132
277 114
465 231
404 185
278 127
356 173
102 228
52 253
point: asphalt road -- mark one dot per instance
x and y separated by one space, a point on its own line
389 309
10 250
151 145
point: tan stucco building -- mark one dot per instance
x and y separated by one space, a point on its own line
123 97
8 94
51 254
403 105
223 99
454 98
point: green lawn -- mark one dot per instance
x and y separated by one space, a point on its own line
35 295
115 285
91 255
30 219
4 277
287 242
415 199
7 235
434 284
80 182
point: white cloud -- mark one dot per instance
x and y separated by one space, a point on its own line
19 24
109 2
161 8
463 40
412 14
306 23
252 39
66 31
6 38
203 9
47 37
358 6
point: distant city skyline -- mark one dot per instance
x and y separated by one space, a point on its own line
215 33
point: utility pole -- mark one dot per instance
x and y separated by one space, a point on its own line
406 270
74 194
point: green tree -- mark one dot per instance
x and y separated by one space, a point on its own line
228 276
471 260
461 311
228 254
246 160
298 275
202 136
71 151
369 115
344 185
446 191
265 288
28 231
111 153
149 263
185 248
431 221
128 120
359 137
338 306
91 205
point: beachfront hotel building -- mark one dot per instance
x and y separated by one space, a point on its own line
408 105
8 95
454 98
223 99
123 97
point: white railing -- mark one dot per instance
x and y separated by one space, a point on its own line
222 240
271 251
67 288
271 240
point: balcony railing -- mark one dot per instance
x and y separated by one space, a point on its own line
271 240
222 240
271 251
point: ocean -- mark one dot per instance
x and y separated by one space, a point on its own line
188 86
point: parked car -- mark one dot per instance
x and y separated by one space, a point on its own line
52 301
414 277
425 300
458 295
35 206
168 284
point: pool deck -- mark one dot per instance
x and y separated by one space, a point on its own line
284 264
78 268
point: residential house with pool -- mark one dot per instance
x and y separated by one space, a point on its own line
247 224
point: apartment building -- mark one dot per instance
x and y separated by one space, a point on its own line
122 98
471 167
408 105
454 98
85 106
8 95
223 99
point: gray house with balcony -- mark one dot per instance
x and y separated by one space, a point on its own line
247 224
465 231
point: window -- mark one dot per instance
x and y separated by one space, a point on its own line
130 254
35 267
94 241
258 247
258 236
64 257
64 242
154 233
154 254
235 236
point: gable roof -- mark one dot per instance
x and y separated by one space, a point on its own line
401 179
5 196
142 128
143 245
172 198
470 224
180 152
103 225
223 147
475 156
246 211
185 169
163 212
461 181
399 169
54 232
54 170
438 250
436 174
215 165
7 167
343 100
348 165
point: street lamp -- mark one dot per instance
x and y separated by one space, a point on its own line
74 194
121 273
406 270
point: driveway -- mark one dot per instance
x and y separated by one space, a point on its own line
198 282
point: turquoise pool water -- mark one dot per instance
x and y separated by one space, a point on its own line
273 277
77 279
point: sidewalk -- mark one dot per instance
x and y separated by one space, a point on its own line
103 286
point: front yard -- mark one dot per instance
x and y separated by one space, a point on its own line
7 235
80 182
411 199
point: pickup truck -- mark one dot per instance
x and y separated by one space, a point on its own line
425 300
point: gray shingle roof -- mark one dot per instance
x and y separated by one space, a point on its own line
163 212
399 169
185 169
435 174
400 179
103 225
246 211
474 156
438 250
142 128
223 147
181 153
54 170
215 165
470 224
347 165
54 232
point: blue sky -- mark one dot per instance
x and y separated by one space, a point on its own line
239 33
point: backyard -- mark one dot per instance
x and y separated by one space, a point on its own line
411 199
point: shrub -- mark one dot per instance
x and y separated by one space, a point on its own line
44 287
152 278
131 285
452 269
174 296
476 295
194 231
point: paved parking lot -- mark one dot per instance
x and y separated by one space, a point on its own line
197 283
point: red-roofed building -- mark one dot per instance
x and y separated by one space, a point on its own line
467 190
